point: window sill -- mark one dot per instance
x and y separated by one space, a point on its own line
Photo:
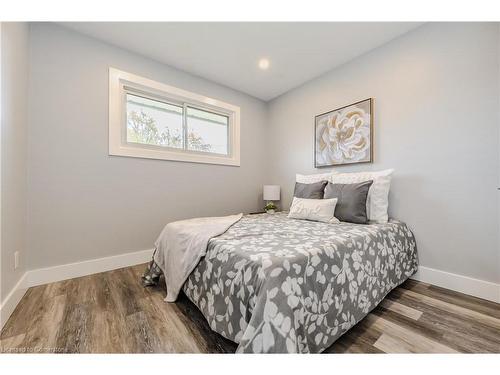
145 153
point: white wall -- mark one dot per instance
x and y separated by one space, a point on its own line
436 120
84 204
14 85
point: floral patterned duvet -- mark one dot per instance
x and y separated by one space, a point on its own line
274 284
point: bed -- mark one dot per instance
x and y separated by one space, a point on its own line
278 285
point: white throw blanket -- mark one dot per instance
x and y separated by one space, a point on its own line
182 244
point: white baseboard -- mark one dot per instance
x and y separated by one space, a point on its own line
70 271
463 284
10 302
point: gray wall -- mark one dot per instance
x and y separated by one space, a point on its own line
14 85
84 204
436 122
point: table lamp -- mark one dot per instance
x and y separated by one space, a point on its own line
271 193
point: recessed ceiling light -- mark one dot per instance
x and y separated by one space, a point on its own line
264 64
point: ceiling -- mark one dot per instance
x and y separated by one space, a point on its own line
228 53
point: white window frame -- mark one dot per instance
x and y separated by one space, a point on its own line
121 83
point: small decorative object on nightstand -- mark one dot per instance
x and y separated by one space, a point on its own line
271 193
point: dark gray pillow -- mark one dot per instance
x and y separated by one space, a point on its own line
351 203
310 191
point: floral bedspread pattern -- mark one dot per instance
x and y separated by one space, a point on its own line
274 284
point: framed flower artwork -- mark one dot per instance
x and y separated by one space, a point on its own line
344 135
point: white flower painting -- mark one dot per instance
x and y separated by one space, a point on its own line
344 135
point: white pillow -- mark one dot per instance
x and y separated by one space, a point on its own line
313 178
314 209
377 202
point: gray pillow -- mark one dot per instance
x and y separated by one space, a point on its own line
351 204
310 191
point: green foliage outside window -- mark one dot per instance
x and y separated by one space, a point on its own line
142 129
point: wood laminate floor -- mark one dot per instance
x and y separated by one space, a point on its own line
111 312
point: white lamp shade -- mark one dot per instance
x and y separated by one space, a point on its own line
271 192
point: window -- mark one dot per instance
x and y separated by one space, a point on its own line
151 122
148 119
